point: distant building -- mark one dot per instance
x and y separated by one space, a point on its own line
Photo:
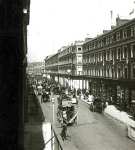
35 68
51 66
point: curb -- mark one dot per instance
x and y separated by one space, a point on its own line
113 118
108 115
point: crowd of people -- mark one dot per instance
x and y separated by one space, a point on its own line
46 87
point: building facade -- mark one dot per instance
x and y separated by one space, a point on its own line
105 65
14 19
109 62
51 66
66 65
35 69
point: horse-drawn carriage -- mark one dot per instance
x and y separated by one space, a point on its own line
97 105
45 97
66 110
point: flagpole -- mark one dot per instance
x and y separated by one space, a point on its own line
111 12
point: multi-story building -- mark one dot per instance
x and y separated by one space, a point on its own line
105 65
70 64
66 65
109 64
35 68
51 66
14 19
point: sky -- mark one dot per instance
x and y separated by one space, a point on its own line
57 23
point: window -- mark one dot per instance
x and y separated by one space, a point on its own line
92 72
90 45
125 52
93 44
133 71
132 51
89 59
119 73
117 36
124 34
110 72
89 71
86 72
101 56
111 39
118 53
108 54
102 43
92 58
87 47
95 58
99 44
98 72
126 73
132 31
98 55
79 49
107 42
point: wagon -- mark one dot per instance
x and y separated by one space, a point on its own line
97 105
45 97
66 110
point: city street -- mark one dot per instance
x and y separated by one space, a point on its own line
93 131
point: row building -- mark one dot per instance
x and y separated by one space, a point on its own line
105 65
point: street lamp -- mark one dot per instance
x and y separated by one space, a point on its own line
53 122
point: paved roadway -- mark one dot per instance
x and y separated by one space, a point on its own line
93 131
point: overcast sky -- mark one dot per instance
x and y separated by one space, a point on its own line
55 23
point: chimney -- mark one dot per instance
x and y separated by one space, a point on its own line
113 27
105 31
120 22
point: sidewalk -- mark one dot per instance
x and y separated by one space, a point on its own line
33 139
67 144
47 108
120 117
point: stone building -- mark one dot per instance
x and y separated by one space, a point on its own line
14 18
51 66
108 62
105 65
66 65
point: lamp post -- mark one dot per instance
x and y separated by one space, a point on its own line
53 109
53 122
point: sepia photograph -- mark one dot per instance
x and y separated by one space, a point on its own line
67 75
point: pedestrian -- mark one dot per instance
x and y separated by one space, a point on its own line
64 130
